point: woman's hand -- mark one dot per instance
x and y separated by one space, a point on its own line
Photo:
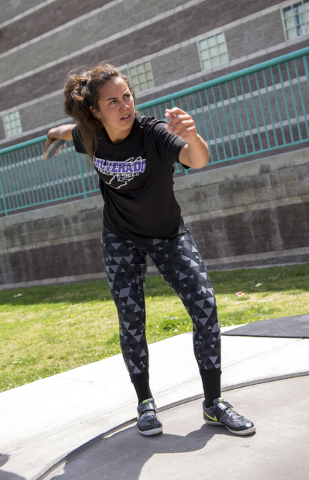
48 142
63 131
181 124
195 154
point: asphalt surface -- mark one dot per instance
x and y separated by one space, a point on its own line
284 327
188 449
44 422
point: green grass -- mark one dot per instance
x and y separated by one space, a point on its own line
52 329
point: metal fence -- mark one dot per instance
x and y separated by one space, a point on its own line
27 180
255 110
263 108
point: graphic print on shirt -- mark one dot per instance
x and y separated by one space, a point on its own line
121 173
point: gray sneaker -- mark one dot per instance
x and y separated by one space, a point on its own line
222 413
147 420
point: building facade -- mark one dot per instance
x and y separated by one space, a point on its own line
163 46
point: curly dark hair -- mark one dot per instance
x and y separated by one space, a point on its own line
81 91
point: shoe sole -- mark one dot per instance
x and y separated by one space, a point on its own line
242 432
153 431
236 432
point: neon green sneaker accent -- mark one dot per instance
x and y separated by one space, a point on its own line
214 418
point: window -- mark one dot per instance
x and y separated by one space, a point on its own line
296 19
12 125
213 51
141 76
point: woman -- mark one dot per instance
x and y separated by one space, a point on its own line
134 156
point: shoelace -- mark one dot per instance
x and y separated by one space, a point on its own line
232 414
148 414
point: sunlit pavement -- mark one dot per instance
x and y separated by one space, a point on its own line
43 422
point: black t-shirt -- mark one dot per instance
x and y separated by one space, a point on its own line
136 180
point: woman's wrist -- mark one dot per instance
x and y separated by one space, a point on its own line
63 131
195 139
50 135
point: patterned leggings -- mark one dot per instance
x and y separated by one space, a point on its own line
181 265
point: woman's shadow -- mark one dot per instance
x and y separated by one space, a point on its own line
124 454
7 475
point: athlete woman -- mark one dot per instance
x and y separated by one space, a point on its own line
133 156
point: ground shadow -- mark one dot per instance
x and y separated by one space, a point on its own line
4 475
123 455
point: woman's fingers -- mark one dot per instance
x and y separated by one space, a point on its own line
181 124
48 142
181 119
170 112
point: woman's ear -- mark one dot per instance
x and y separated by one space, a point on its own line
95 113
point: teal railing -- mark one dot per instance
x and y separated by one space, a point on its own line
263 108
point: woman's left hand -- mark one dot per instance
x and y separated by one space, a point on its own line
181 124
196 153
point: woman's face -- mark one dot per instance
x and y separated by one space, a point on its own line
116 109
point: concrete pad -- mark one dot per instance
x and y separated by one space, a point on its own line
270 357
45 420
188 448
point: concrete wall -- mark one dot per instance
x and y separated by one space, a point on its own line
250 214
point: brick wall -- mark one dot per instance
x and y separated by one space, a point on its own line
62 35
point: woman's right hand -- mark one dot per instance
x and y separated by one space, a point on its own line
48 141
63 131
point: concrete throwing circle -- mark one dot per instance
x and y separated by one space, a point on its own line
189 449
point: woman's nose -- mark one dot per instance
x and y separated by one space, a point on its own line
123 104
